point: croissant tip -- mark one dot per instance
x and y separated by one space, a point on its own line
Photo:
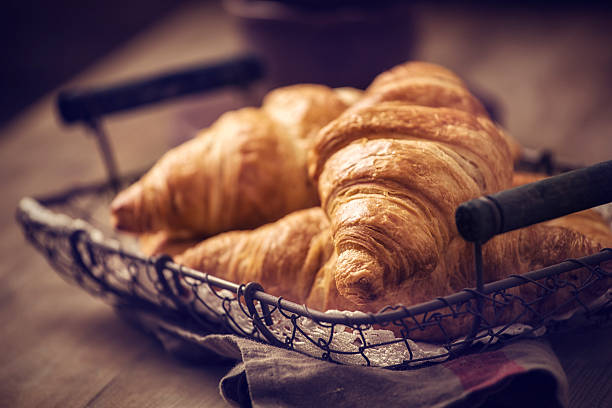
359 276
123 209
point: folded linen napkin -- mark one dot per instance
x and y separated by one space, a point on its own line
525 373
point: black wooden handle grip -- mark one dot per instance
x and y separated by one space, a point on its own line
85 104
482 218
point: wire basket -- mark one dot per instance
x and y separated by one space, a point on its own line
71 230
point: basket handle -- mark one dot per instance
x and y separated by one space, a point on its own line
86 104
482 218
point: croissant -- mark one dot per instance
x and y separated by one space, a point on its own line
284 256
247 169
390 176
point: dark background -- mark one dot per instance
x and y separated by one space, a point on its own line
44 43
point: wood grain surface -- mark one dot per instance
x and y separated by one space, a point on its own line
549 75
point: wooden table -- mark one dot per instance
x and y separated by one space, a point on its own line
550 74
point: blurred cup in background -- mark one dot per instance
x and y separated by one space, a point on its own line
334 42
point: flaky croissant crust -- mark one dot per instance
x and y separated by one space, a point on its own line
284 256
423 84
390 177
247 169
400 121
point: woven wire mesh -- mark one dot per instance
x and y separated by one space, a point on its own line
74 238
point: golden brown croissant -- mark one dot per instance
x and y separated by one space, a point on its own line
390 177
283 256
247 169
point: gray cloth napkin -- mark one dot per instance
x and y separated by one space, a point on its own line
525 373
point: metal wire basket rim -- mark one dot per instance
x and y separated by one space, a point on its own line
87 248
384 316
388 314
400 311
